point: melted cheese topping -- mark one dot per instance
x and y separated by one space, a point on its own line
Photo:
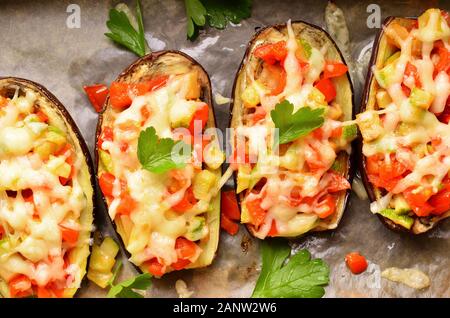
408 127
31 242
154 227
291 171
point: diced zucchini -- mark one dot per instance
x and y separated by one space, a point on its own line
58 139
193 86
400 219
214 156
400 204
105 159
410 113
203 183
385 77
196 229
393 58
290 158
300 224
304 48
243 178
370 125
383 98
316 99
349 132
181 113
45 149
432 26
58 166
420 98
245 215
250 96
102 261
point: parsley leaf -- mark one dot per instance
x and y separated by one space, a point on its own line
300 277
217 13
195 12
126 288
123 32
156 155
290 125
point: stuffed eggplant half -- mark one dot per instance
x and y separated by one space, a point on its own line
167 213
404 123
46 194
292 78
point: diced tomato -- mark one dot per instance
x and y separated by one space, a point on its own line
118 95
411 70
337 183
356 262
417 200
257 213
42 116
27 195
441 201
106 183
228 225
69 235
106 135
373 164
43 292
126 205
145 113
180 264
389 185
326 86
156 268
185 248
318 133
3 101
334 69
392 169
229 205
273 229
336 132
20 286
56 291
295 197
271 52
201 114
259 114
406 90
443 65
149 86
97 95
326 206
274 78
2 232
187 202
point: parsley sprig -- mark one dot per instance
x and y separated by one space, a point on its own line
300 277
127 288
123 32
215 13
294 125
157 155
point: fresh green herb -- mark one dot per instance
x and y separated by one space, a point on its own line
350 131
337 166
123 32
300 277
127 288
216 13
290 125
118 266
156 155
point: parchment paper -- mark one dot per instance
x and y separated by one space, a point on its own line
37 44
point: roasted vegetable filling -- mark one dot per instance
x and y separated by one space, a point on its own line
291 183
160 207
41 200
406 133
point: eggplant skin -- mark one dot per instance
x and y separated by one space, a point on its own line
46 98
382 48
345 93
166 62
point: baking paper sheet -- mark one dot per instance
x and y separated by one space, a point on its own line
36 43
